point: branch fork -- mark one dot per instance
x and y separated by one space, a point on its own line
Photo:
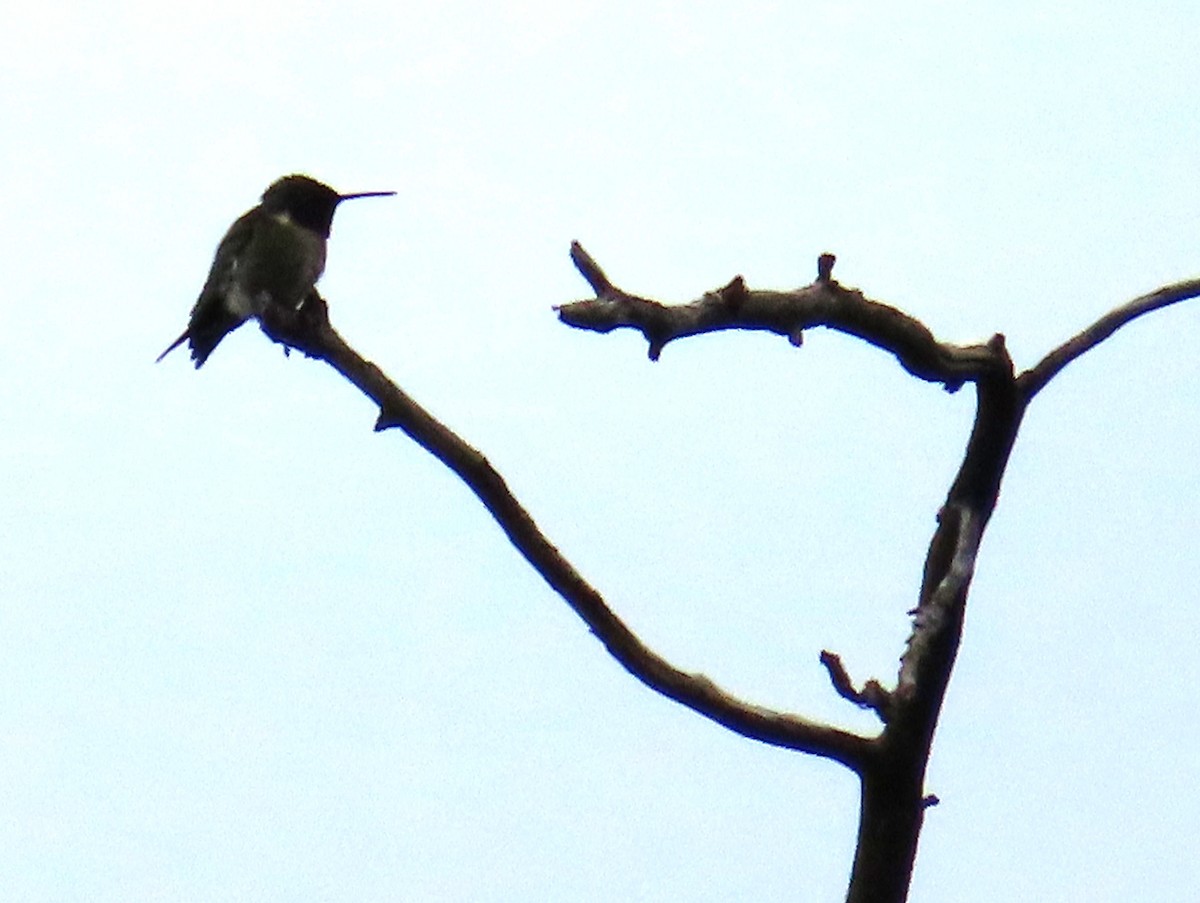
892 764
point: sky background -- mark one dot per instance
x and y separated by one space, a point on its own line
251 650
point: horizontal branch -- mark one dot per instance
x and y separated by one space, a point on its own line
824 303
309 330
1034 380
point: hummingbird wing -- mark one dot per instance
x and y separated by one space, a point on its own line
211 318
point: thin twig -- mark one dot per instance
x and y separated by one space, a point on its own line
872 696
1035 379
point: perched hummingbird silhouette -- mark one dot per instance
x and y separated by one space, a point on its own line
273 254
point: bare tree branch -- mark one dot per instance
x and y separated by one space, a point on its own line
1034 380
893 797
309 330
892 765
823 303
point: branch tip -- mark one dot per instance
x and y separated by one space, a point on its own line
734 294
872 696
825 267
1034 380
590 270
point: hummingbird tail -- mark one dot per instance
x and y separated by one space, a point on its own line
179 341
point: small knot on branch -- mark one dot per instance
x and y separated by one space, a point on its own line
734 294
825 267
386 421
1001 359
656 347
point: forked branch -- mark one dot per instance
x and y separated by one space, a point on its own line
824 303
892 765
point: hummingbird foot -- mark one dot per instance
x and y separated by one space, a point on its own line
304 328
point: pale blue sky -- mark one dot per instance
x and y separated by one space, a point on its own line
253 651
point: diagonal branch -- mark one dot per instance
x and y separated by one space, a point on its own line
872 696
824 303
1034 380
309 330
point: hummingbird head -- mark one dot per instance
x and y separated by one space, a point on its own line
309 203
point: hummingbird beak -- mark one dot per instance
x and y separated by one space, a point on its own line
365 194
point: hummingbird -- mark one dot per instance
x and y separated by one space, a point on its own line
272 254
